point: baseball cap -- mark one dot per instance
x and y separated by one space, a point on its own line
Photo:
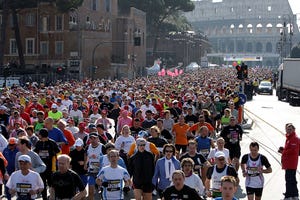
12 141
93 134
175 101
24 158
140 141
91 126
104 112
219 154
142 134
54 106
81 125
78 142
3 107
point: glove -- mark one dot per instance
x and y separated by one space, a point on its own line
126 189
105 184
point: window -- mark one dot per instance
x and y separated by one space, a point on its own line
231 9
94 4
269 8
59 47
107 5
45 24
44 48
13 46
59 22
30 19
0 19
29 45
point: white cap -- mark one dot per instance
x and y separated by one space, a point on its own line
54 106
78 142
219 154
3 108
24 158
175 101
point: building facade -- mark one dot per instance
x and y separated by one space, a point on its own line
77 44
259 32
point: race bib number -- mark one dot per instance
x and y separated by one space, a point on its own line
114 185
23 188
44 154
94 167
253 171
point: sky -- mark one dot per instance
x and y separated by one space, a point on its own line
295 5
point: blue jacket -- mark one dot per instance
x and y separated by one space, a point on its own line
10 156
160 173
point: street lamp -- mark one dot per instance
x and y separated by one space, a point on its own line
286 33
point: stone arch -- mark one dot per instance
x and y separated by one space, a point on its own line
249 47
241 28
269 28
259 28
269 47
279 27
232 27
250 28
258 47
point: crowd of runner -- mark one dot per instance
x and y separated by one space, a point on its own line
118 135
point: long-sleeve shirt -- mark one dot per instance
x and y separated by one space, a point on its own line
36 162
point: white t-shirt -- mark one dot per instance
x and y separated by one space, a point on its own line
127 141
195 182
114 177
94 117
77 113
215 150
24 183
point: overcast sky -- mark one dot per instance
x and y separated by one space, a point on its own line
295 5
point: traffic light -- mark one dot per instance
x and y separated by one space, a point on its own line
239 72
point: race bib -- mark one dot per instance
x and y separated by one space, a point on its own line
94 167
44 154
114 185
253 171
23 189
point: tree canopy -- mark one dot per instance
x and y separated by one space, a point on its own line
161 14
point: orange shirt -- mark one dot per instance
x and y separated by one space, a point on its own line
150 147
65 148
180 132
197 126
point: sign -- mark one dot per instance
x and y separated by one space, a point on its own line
243 58
242 99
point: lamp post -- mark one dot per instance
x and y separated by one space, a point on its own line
286 37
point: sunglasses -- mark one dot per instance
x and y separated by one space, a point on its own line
168 151
142 145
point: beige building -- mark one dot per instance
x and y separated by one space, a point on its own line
84 42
